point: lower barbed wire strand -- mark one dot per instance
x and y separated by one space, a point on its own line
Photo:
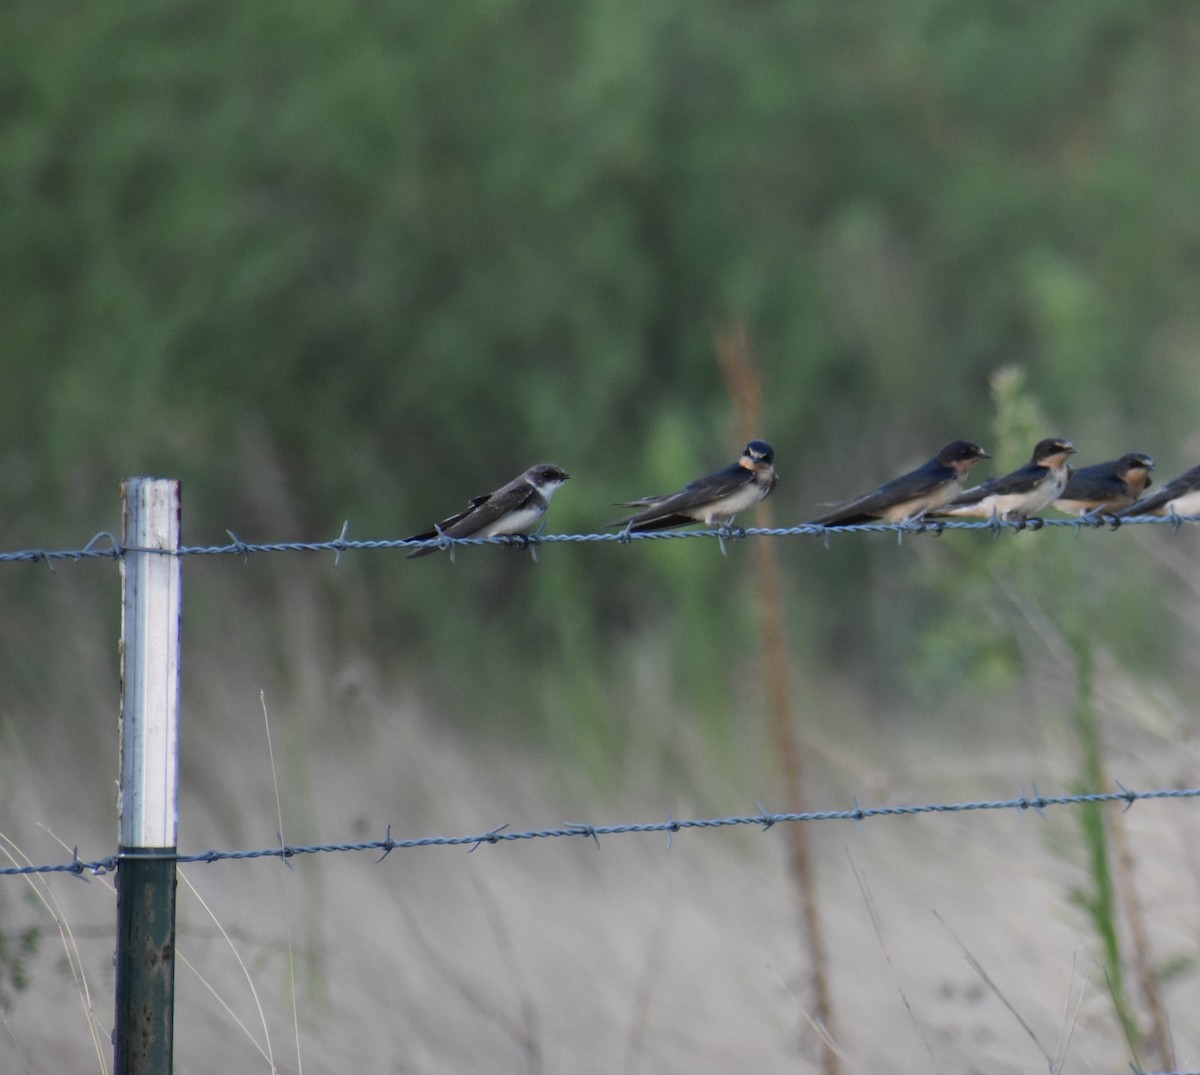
764 819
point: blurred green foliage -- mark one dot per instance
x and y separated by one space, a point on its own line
365 261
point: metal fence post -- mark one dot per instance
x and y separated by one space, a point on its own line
149 811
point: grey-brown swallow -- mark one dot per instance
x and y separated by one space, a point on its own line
514 508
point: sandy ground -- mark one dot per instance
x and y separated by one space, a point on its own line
558 956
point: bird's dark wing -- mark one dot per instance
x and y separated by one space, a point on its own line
647 521
701 491
481 511
675 506
485 510
1023 480
453 520
1095 483
912 486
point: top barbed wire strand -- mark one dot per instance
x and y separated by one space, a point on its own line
105 546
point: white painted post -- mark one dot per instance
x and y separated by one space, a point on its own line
151 583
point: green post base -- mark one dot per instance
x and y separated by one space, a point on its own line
143 1036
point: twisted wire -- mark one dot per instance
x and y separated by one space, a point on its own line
105 546
763 819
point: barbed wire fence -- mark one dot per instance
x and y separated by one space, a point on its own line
150 762
763 820
105 545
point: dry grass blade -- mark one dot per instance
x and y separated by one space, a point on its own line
977 967
287 905
266 1053
861 880
1070 1022
45 895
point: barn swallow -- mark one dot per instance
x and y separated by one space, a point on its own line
1022 493
1106 487
907 498
713 500
512 509
1180 496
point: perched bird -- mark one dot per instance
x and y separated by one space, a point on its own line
514 508
907 498
1180 496
1106 487
1022 493
713 500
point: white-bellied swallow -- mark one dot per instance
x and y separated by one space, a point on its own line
713 500
907 498
514 508
1106 487
1023 492
1180 496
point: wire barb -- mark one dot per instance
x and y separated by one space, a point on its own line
533 540
239 547
339 544
77 868
767 820
445 541
1130 796
673 827
492 836
582 829
1037 804
388 845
